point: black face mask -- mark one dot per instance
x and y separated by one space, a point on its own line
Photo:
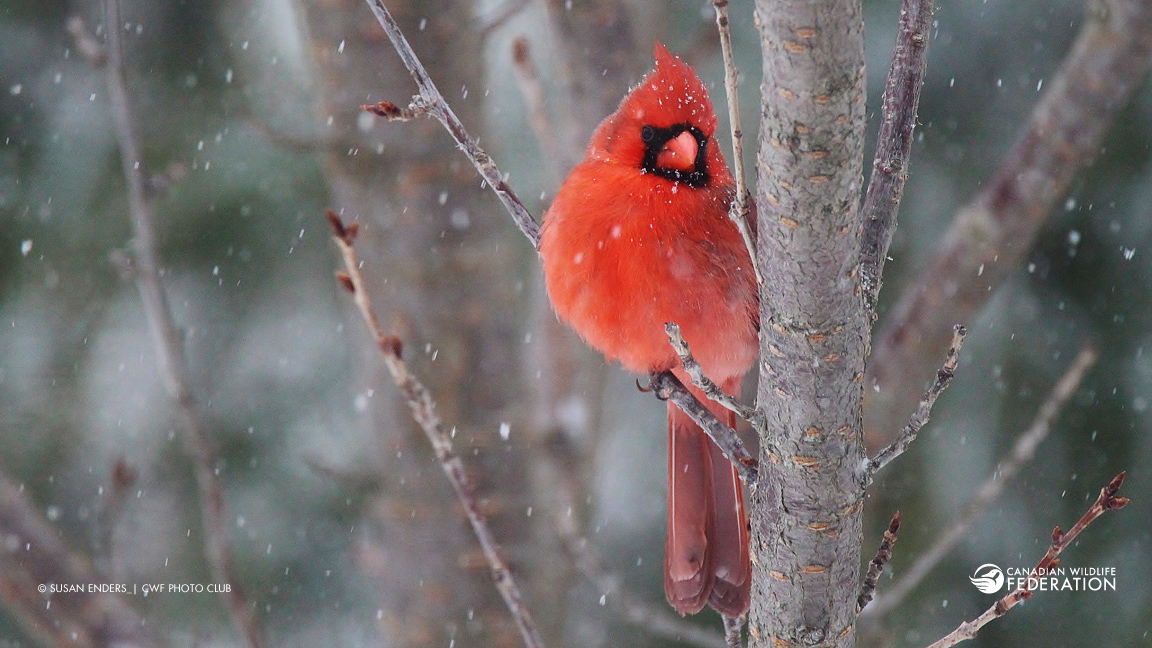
655 138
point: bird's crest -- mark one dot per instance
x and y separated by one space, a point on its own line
670 95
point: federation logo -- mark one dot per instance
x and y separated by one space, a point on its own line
987 578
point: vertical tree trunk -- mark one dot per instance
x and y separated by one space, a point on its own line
806 516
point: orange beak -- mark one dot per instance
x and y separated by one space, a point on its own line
679 153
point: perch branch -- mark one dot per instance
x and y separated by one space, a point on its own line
168 339
883 555
431 102
423 410
739 209
710 388
989 237
668 387
894 142
1107 501
1022 453
943 377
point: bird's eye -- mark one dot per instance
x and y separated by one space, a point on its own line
647 133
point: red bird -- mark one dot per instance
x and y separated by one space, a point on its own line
638 236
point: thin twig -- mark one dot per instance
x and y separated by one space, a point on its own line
1107 501
432 103
739 210
168 340
943 376
710 388
883 555
894 142
733 627
423 410
668 387
1022 453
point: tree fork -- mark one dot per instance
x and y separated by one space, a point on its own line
806 510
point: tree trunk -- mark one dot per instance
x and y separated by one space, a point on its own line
806 509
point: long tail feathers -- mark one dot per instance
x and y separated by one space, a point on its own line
706 556
688 573
729 537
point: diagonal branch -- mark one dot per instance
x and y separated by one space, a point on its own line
432 103
1107 501
1022 453
668 387
168 340
710 388
894 142
423 410
920 417
876 566
739 209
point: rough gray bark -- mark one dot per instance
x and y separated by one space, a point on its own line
806 510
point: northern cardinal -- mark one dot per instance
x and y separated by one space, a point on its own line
638 236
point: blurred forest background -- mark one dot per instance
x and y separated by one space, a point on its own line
346 532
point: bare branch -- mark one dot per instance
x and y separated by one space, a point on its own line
894 142
739 210
1107 501
423 410
432 103
669 387
883 555
943 377
710 388
168 340
1022 453
990 236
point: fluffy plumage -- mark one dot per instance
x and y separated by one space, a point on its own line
639 236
